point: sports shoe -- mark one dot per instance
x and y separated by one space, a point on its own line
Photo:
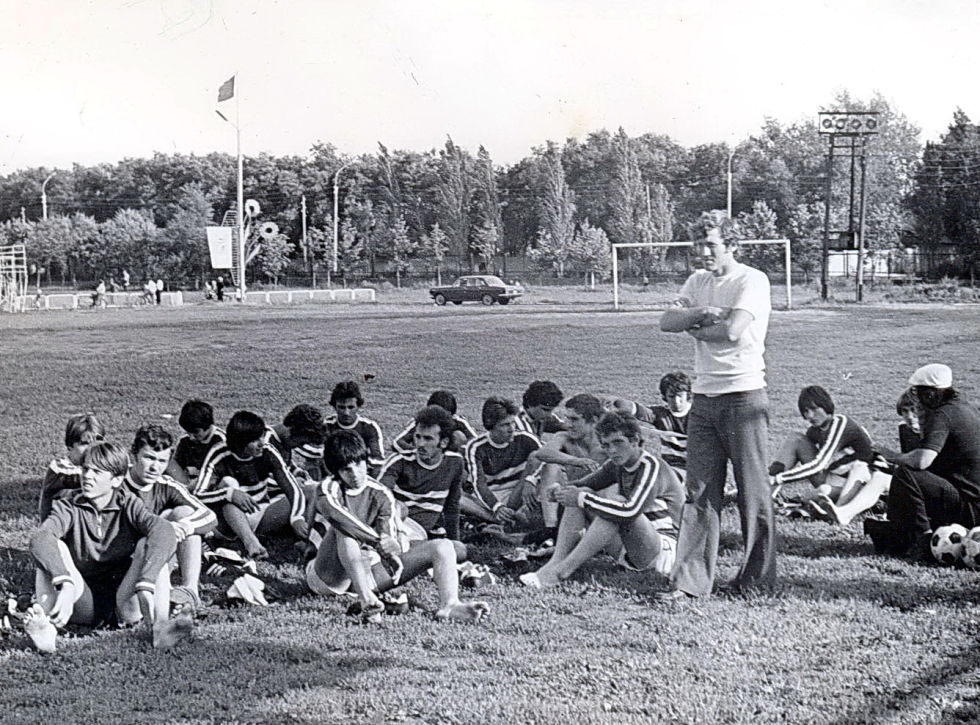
395 603
818 507
546 548
373 613
473 575
674 596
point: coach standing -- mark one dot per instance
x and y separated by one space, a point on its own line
725 307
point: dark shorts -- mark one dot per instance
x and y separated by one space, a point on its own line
104 582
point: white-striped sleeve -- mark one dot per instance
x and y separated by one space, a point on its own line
398 444
201 519
823 458
206 489
287 482
630 509
341 517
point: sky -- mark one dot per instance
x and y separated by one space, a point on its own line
92 81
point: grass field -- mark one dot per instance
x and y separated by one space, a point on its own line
847 637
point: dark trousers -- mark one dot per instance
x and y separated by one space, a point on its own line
732 427
920 502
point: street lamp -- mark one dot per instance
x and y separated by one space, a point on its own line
336 211
44 197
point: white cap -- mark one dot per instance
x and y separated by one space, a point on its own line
933 375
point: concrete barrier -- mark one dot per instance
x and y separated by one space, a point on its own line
83 300
279 297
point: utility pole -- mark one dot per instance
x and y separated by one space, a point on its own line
44 198
336 212
731 155
305 256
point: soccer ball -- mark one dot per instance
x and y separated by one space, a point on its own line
947 544
971 548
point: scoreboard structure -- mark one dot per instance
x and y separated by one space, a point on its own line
847 133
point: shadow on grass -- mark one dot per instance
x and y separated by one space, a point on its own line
817 547
125 680
905 596
889 706
16 570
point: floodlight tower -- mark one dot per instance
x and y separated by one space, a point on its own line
849 132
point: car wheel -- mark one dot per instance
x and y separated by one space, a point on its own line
457 302
487 299
504 300
440 300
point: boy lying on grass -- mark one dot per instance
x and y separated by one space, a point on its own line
102 559
358 531
633 502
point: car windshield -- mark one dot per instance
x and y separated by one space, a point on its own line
494 281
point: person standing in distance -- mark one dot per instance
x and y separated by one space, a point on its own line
725 307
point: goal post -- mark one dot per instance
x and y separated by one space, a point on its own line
787 257
13 278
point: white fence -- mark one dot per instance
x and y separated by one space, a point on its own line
79 300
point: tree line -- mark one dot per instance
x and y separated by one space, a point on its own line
407 212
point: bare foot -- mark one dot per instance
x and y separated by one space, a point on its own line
463 612
170 632
39 628
258 554
540 579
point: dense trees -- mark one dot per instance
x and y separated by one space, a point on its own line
447 210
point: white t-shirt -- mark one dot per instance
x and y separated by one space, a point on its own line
730 367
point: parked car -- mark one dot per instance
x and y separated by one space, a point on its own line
485 288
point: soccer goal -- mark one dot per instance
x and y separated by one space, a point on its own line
13 278
742 242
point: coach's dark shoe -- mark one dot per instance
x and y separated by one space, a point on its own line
888 540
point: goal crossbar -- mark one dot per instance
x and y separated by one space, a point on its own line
788 260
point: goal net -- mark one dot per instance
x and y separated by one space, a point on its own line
13 278
787 260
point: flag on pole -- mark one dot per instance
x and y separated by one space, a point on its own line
227 90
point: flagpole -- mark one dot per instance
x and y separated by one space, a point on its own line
241 191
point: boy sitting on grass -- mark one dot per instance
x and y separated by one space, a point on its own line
65 473
429 479
162 495
496 463
299 440
836 455
347 402
200 436
404 442
633 501
101 558
359 528
235 481
568 455
670 420
537 413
